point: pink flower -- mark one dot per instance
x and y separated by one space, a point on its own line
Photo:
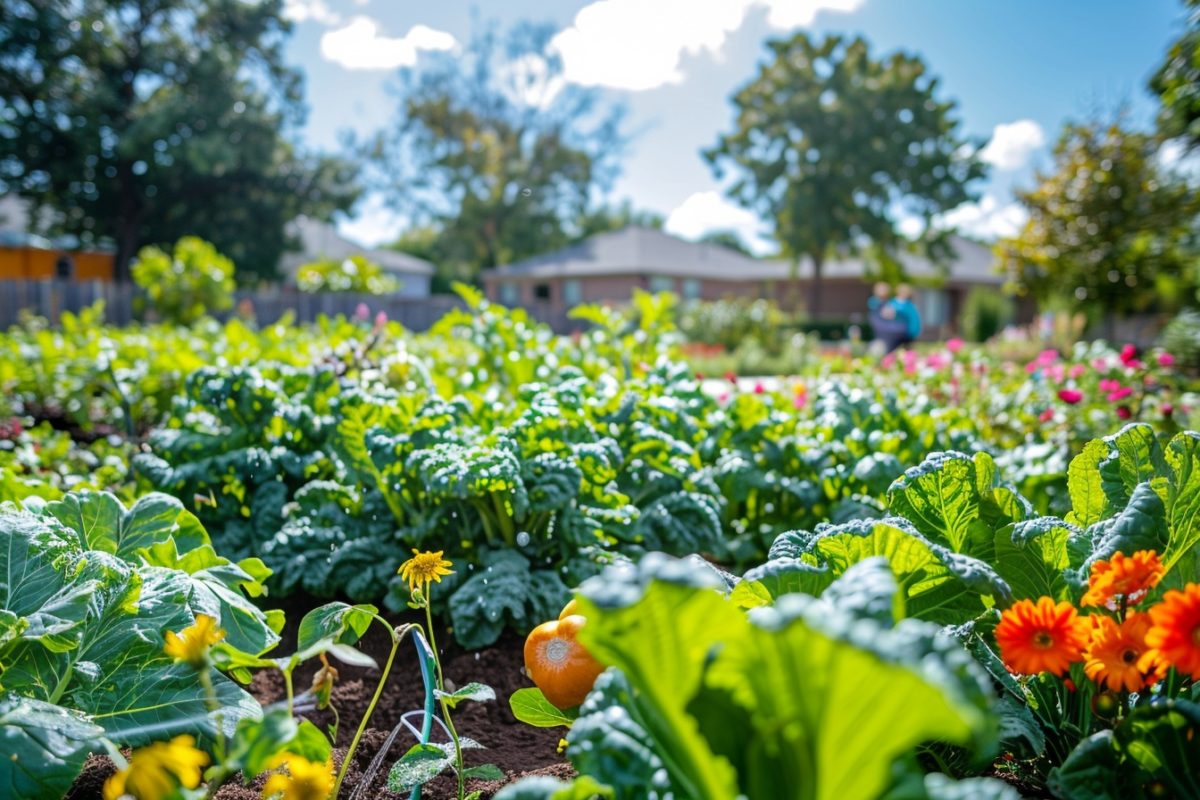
1046 415
1056 372
1119 394
1165 359
1123 412
1100 364
1077 371
1128 354
888 360
799 400
936 360
1168 409
381 319
954 345
723 398
759 388
1109 384
1070 396
361 312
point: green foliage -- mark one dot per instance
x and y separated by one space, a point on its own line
1177 82
708 702
829 142
985 312
354 274
1181 338
88 590
153 122
500 162
1109 230
190 282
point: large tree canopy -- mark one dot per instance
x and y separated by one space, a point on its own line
140 121
830 145
1109 230
1177 82
496 153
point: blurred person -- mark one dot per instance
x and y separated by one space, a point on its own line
889 328
906 312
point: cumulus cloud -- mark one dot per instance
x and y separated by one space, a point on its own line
361 45
315 10
638 45
987 219
1013 143
709 212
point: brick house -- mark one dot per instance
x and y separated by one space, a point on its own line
607 267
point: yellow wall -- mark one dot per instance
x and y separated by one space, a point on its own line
30 263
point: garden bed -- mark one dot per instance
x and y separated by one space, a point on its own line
516 748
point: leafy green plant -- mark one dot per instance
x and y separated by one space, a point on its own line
88 589
707 701
186 284
352 274
985 312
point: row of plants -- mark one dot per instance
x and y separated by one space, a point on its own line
961 638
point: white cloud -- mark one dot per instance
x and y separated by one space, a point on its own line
361 45
709 212
375 224
1013 143
638 44
316 10
987 219
527 80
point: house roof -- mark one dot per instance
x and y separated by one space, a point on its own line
647 251
320 239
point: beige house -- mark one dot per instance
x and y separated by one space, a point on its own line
607 267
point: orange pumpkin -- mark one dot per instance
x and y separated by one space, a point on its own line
557 663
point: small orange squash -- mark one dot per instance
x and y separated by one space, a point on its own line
560 666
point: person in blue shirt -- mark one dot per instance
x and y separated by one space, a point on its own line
906 310
890 328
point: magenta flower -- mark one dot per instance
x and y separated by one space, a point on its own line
1077 370
1129 356
1109 384
1123 412
1168 409
759 388
1046 415
1120 393
1070 396
1165 359
954 345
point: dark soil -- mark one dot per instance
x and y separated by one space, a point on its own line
514 747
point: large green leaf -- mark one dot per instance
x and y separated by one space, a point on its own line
941 499
43 746
806 699
1032 556
1183 500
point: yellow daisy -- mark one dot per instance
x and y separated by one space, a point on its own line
424 568
191 644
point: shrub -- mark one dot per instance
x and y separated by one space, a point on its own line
1181 338
356 274
984 313
186 284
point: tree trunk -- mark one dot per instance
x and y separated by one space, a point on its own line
814 288
128 223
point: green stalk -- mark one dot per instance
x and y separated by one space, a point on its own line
397 634
437 661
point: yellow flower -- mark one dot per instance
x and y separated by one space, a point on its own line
155 771
304 779
191 644
424 568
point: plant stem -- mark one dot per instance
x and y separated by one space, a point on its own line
396 634
287 681
437 661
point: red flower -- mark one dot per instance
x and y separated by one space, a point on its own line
731 377
1070 396
1123 412
1128 355
1046 415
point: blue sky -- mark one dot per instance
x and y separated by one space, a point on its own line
1019 69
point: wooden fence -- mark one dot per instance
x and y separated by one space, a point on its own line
51 298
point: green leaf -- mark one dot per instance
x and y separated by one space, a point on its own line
484 772
1183 499
333 628
1090 772
1089 504
257 742
474 690
1032 556
545 788
44 747
421 764
531 707
941 499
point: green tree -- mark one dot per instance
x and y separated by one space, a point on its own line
730 239
140 121
185 284
1109 230
494 151
1177 83
831 146
606 218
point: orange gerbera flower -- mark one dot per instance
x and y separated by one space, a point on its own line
1115 656
1174 634
1129 577
1041 637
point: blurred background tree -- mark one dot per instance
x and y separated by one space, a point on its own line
1110 230
354 274
138 121
831 145
1177 83
497 154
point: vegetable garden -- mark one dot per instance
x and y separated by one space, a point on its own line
305 562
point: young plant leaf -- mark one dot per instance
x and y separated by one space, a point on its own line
531 707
